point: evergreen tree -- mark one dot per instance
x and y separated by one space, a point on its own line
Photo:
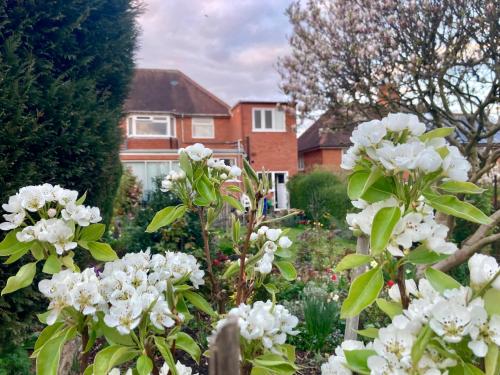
65 66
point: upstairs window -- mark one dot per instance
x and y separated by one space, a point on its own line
268 120
203 127
151 126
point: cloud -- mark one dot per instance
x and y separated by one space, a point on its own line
229 46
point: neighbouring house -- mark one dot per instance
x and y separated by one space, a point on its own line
324 142
166 110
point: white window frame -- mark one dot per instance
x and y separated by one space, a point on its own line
171 123
273 187
300 163
193 120
263 129
146 162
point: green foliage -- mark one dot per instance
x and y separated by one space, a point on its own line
128 196
320 194
484 202
184 233
64 71
14 360
320 316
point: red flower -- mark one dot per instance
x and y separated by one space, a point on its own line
216 262
334 277
390 283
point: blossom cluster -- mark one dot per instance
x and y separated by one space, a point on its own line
454 316
125 290
271 239
394 144
263 321
56 212
196 153
416 226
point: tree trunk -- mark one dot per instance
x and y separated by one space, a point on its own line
471 245
351 324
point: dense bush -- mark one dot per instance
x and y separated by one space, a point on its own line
64 70
131 228
321 195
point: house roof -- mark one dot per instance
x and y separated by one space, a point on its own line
332 130
159 90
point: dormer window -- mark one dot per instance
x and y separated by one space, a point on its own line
151 126
268 120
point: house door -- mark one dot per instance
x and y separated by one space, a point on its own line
281 196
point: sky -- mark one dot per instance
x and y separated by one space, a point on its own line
228 46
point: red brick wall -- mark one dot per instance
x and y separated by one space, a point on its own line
273 151
329 159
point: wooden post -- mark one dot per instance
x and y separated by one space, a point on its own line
351 324
225 352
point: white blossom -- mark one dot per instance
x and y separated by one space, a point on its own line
197 152
482 270
181 369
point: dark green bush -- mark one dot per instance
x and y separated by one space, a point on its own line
14 360
130 230
65 67
321 195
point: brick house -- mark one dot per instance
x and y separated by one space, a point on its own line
324 142
166 111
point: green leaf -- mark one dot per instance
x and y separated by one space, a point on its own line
250 172
235 232
370 332
357 360
231 270
89 370
233 188
360 182
381 189
356 184
492 360
284 253
233 202
271 289
47 361
185 164
199 302
441 281
11 245
451 205
352 261
16 256
461 187
470 369
48 333
491 298
21 279
52 265
383 224
164 349
113 336
286 269
92 232
363 291
437 133
166 217
185 342
144 365
113 356
101 251
275 363
421 255
421 343
205 188
80 200
391 308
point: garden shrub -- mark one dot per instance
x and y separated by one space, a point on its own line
321 195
